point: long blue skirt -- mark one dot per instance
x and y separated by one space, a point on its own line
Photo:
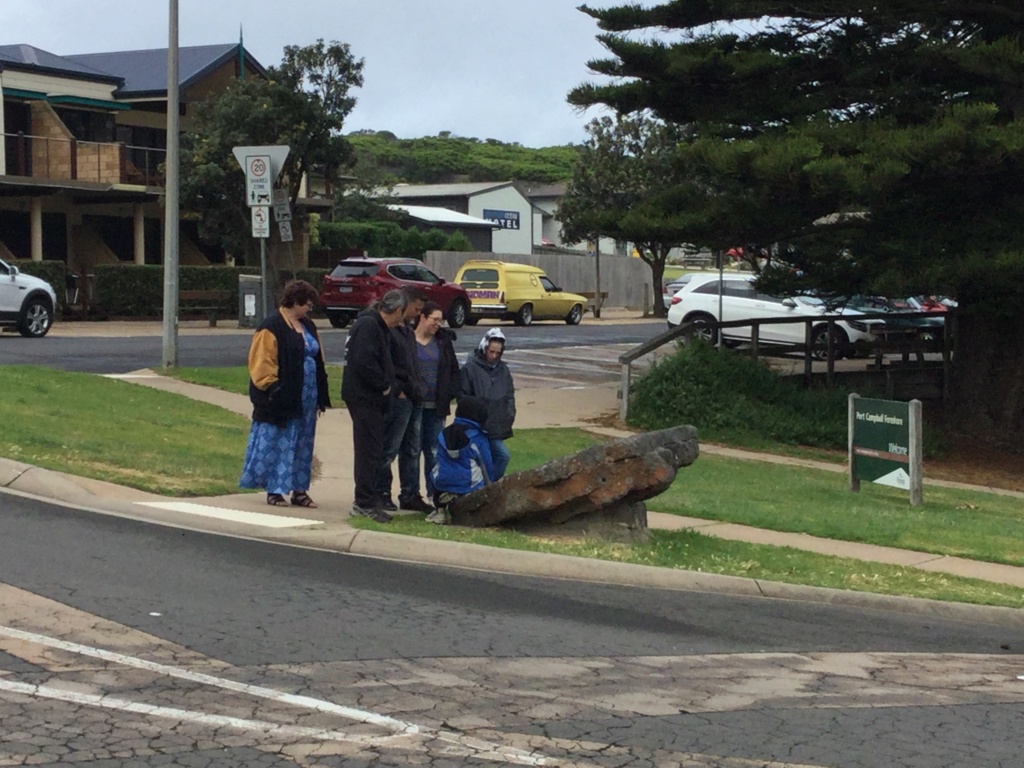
280 459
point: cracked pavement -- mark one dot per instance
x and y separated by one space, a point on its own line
114 655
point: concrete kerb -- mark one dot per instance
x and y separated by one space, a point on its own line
475 557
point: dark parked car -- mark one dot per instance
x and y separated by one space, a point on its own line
355 284
928 329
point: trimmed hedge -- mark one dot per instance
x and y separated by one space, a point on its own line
132 290
387 239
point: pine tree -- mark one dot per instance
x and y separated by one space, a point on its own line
880 146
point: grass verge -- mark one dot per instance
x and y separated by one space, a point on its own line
688 550
119 432
952 521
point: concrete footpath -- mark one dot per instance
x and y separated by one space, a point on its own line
328 527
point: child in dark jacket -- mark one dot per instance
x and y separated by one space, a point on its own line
464 461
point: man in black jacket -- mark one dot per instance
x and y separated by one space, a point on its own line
402 420
366 387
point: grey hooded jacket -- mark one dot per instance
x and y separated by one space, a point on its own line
491 382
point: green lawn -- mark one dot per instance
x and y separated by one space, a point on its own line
975 525
120 432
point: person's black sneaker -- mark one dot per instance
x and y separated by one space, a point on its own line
387 504
374 513
415 504
380 516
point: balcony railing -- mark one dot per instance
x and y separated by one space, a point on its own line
42 157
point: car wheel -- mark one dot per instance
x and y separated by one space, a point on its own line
703 327
575 315
819 343
525 315
338 320
36 318
457 314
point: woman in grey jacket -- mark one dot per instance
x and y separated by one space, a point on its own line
487 376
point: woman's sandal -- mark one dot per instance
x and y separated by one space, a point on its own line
276 500
301 499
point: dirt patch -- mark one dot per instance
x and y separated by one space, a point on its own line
977 463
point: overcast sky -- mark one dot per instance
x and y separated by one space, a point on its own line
477 68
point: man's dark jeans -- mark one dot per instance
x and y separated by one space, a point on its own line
402 439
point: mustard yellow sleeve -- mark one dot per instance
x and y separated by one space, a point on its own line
263 359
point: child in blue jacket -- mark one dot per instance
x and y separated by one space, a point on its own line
464 461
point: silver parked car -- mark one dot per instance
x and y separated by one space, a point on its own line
697 302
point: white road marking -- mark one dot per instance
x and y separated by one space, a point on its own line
233 515
476 747
257 691
290 732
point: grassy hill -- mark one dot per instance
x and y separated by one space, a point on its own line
439 159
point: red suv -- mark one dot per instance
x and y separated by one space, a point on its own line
356 283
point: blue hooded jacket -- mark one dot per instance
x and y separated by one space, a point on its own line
464 461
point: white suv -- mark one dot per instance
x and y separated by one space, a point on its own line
697 302
26 302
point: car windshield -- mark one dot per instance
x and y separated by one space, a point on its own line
480 278
810 301
356 269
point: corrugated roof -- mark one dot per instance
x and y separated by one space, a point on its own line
30 57
435 215
145 72
446 190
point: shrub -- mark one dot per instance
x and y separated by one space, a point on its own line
732 398
132 290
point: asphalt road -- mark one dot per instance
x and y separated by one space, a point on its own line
400 664
98 354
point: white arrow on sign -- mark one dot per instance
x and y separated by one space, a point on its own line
260 221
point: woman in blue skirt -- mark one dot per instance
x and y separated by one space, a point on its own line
288 390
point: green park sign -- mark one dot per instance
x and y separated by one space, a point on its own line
885 444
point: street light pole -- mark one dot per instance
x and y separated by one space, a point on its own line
171 190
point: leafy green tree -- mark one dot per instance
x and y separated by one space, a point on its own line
877 146
618 190
302 104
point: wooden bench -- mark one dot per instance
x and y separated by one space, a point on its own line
212 302
591 295
698 261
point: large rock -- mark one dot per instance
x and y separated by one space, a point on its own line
600 490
